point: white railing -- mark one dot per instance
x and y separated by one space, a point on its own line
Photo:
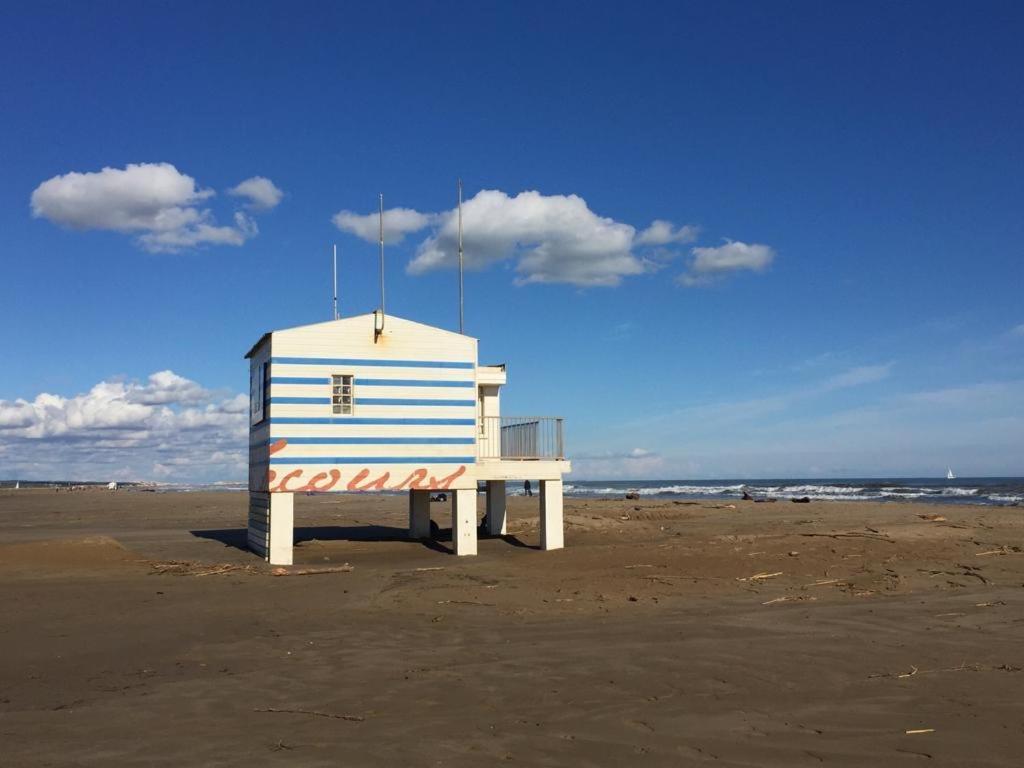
521 438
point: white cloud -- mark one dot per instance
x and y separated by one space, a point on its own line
398 222
1017 330
261 192
733 256
145 196
154 201
622 331
172 240
555 239
708 417
128 430
804 432
550 238
855 377
661 232
167 387
633 464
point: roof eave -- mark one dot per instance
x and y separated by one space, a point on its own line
258 344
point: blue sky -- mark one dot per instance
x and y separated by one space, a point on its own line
834 290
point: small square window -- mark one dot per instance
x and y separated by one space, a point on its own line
342 393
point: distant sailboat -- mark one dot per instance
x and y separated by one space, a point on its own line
17 484
949 474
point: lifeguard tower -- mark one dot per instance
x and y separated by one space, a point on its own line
369 403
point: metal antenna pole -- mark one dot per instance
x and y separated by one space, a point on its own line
335 282
461 306
382 254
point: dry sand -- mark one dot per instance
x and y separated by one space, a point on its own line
134 631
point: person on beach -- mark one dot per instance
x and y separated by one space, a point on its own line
527 488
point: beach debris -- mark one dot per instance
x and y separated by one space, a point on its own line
661 579
632 496
972 570
332 715
312 571
933 518
963 667
852 535
219 570
761 576
793 553
790 598
431 568
640 565
989 605
1003 550
192 568
802 500
824 582
966 570
914 731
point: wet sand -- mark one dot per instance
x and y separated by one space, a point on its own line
135 631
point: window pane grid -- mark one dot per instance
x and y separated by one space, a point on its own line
342 393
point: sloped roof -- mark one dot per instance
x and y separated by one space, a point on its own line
352 319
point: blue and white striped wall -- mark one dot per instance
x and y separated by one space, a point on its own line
414 420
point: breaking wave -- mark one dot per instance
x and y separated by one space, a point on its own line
1002 492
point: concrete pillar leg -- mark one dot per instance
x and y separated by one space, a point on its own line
419 514
496 508
552 535
464 521
282 528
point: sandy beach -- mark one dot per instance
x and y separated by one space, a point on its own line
135 631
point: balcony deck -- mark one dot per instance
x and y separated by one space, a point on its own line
521 448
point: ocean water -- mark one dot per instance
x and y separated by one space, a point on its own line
1002 491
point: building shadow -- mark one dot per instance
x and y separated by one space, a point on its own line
514 541
237 538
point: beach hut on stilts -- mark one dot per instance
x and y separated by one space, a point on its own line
378 403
